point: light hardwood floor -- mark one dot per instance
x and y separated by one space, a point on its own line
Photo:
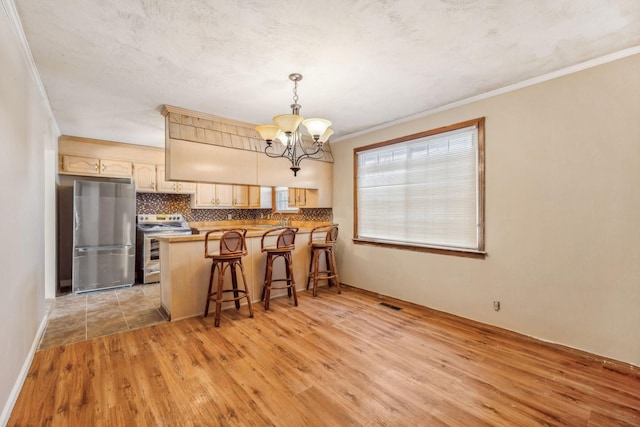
336 360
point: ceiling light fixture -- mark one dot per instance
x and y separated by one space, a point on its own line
284 139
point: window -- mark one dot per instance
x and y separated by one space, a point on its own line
423 191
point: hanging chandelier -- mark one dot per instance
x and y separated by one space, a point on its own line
285 139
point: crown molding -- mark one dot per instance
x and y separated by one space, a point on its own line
516 86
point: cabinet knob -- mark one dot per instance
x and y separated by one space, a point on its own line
104 167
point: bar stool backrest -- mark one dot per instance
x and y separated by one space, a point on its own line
330 237
287 238
232 243
332 234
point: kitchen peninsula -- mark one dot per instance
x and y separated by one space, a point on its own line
184 271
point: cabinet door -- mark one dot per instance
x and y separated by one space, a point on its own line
297 197
240 196
224 195
81 165
144 177
301 197
165 186
186 187
205 196
254 196
116 168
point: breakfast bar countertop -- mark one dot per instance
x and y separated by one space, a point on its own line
253 230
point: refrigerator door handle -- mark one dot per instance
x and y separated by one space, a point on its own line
103 248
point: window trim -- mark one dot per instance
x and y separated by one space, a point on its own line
473 253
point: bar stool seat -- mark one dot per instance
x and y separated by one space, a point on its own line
320 246
228 256
283 247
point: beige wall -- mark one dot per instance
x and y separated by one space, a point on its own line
25 135
562 216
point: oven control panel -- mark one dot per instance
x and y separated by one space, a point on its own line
159 218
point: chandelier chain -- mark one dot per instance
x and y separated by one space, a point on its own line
295 91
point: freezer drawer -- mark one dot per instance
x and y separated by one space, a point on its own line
103 267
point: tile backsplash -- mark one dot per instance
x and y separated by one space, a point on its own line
157 203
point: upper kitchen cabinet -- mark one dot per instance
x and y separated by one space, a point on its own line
144 177
173 186
254 196
241 196
94 166
210 196
92 157
297 197
149 178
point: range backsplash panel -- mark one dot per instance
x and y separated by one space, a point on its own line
159 203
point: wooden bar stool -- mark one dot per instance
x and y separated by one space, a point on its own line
284 246
232 248
323 246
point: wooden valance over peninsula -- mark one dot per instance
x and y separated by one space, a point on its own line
200 147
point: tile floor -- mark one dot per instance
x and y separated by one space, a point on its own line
74 318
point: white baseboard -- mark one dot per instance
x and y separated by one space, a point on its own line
15 392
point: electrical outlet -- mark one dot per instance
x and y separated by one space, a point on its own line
496 305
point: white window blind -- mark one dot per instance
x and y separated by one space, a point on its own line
421 192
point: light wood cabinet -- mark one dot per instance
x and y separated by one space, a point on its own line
241 196
297 197
144 177
225 196
149 178
94 166
303 198
254 196
246 196
173 186
209 196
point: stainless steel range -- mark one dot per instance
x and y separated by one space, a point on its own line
151 226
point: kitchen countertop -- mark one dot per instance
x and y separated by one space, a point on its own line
253 230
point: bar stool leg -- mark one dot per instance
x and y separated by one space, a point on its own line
329 270
334 269
267 281
291 282
246 288
287 271
310 276
316 268
234 283
206 307
221 270
268 273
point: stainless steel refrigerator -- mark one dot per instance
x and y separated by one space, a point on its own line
104 220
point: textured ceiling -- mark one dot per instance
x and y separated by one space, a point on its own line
109 65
